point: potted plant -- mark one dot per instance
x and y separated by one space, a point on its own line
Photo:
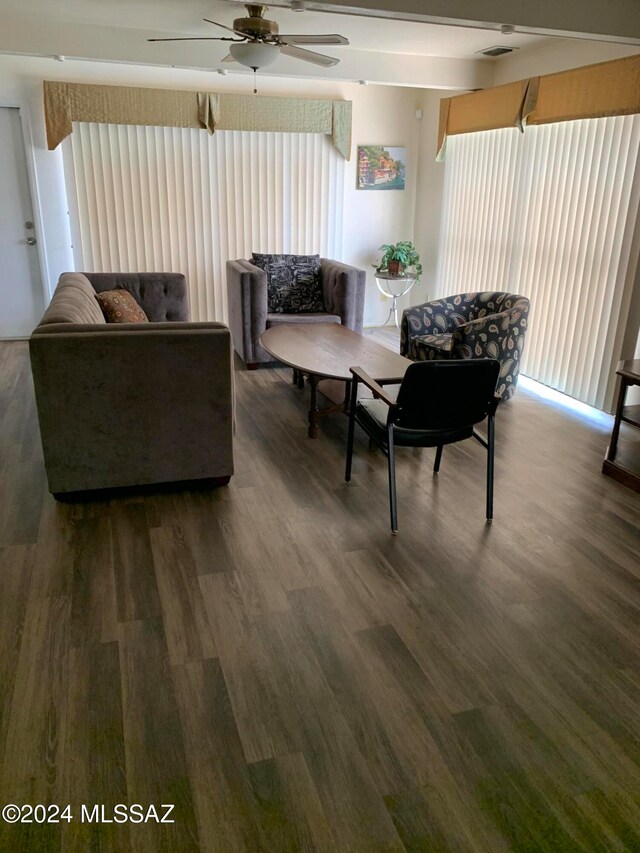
399 258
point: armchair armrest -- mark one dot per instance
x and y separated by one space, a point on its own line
247 304
421 320
480 322
378 391
343 289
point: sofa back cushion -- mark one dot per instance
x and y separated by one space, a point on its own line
161 295
294 283
74 301
490 302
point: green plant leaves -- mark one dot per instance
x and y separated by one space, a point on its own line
403 251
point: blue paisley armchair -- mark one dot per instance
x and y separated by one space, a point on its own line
469 325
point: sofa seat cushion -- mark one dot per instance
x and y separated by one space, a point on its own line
119 306
284 319
294 283
73 302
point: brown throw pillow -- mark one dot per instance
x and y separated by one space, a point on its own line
119 306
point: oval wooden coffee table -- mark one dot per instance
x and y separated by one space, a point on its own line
327 351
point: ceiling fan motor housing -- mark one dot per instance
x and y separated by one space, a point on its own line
255 25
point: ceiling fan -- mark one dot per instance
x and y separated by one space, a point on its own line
257 41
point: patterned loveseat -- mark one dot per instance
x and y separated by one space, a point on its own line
469 325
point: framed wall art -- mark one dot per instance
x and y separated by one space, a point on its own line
381 167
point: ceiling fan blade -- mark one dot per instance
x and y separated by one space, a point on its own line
309 55
197 38
327 38
224 27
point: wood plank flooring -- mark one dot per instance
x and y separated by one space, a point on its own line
267 658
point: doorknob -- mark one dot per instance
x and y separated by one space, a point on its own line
31 241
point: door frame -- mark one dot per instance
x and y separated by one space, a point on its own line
29 151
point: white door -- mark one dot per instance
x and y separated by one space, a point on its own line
21 297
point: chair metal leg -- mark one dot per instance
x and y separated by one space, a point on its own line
436 464
490 455
352 428
393 498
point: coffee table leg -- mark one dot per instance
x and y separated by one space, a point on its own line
313 406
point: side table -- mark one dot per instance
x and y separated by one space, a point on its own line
394 286
629 373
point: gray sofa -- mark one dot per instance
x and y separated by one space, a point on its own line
131 404
343 289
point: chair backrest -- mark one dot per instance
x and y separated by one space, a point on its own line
450 394
488 302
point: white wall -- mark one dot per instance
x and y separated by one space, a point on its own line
381 114
553 56
429 196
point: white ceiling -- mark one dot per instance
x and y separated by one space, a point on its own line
168 17
426 54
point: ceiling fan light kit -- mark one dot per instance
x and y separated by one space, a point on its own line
258 42
255 54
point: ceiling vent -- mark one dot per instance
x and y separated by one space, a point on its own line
498 50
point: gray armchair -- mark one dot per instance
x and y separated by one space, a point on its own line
343 289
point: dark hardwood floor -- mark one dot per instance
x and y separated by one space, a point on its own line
270 660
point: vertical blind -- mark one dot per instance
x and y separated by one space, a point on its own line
178 200
551 214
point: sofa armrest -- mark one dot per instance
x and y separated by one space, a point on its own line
130 404
247 303
343 289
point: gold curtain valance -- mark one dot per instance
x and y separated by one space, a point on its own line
65 103
593 91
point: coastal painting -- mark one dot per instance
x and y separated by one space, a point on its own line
381 167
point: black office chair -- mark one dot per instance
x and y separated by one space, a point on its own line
439 402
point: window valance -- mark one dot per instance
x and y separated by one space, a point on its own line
593 91
65 103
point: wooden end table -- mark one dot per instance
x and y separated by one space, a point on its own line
629 373
327 351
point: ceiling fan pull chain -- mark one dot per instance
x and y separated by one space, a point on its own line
255 87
